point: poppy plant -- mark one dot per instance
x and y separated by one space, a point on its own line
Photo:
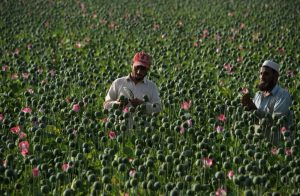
1 117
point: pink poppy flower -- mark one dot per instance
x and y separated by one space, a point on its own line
244 90
132 172
25 75
1 117
29 46
218 50
30 90
65 166
222 118
126 194
207 162
288 151
15 129
126 109
182 130
35 172
17 51
274 150
230 174
26 110
22 135
219 129
221 192
186 105
14 76
189 122
242 26
24 152
76 108
283 130
228 68
112 135
78 45
4 163
24 145
196 44
5 67
130 160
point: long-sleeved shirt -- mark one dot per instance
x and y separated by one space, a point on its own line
277 102
139 90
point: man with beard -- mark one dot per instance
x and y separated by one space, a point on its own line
131 90
271 100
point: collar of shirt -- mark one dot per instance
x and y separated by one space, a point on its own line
273 91
129 79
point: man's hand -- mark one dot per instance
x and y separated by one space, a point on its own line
135 102
247 102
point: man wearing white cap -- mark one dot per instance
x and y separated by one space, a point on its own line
271 99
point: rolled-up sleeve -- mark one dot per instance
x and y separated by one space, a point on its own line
154 105
111 96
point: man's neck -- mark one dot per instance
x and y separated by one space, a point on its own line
134 79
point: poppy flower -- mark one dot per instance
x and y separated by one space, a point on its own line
230 174
35 172
186 105
65 166
283 130
76 108
274 150
244 90
5 67
288 151
219 129
26 110
222 118
15 129
1 117
207 162
132 172
221 192
22 135
112 135
126 109
25 75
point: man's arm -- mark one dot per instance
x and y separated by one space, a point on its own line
111 97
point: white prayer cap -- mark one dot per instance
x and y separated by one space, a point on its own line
272 65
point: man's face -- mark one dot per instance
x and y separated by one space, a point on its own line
139 72
268 79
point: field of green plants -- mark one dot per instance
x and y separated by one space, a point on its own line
58 59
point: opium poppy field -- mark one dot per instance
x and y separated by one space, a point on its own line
59 58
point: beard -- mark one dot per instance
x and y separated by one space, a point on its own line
266 86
